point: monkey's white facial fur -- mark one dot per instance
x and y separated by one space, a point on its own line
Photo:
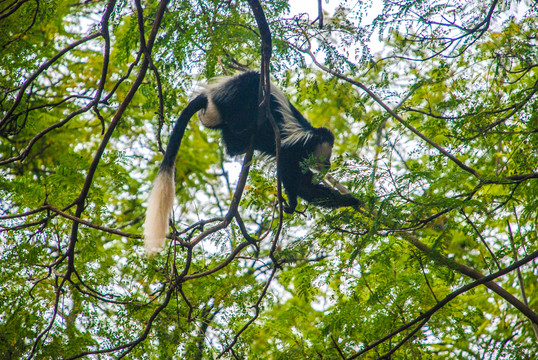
323 153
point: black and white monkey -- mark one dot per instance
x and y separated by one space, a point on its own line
231 105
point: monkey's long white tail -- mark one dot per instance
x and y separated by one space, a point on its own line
161 200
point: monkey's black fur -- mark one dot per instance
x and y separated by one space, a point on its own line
232 107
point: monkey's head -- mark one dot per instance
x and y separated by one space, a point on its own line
324 141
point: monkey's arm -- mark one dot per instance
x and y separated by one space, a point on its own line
300 185
325 196
321 195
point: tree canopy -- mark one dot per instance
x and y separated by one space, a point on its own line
435 113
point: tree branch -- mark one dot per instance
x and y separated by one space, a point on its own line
428 314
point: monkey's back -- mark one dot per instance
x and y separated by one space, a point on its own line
236 99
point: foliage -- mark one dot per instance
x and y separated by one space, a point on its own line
436 132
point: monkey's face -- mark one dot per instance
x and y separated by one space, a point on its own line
322 154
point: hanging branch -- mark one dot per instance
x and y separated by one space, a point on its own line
264 113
